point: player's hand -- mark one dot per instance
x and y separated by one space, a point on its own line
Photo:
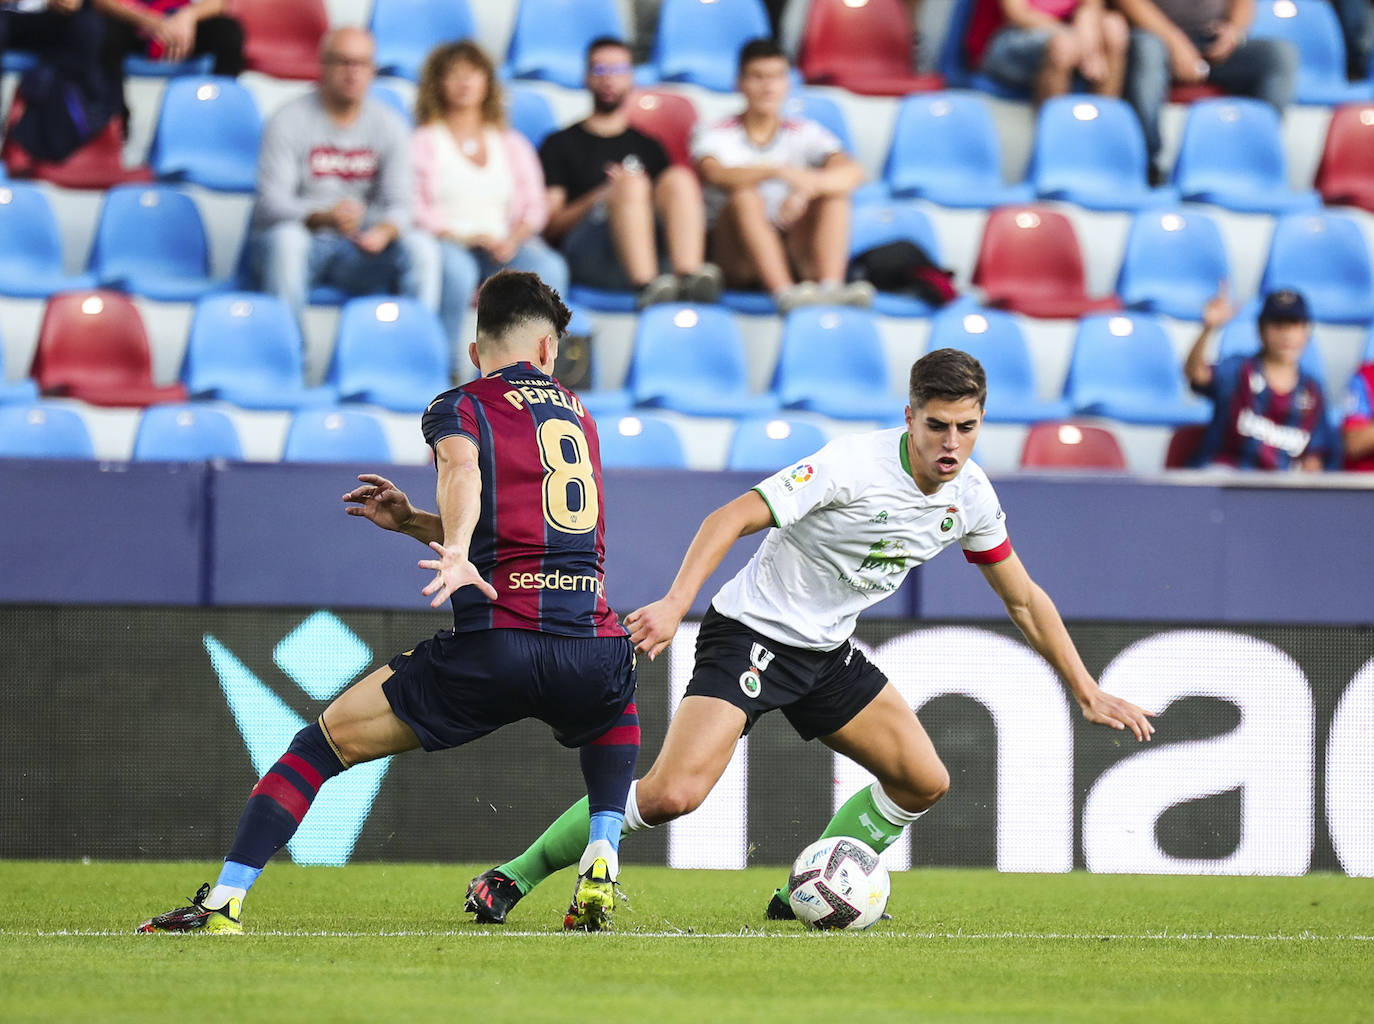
454 572
1103 709
381 501
652 627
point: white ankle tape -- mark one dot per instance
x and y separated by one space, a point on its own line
633 822
888 808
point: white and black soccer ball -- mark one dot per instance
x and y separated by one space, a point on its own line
838 883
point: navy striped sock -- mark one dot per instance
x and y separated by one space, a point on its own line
608 766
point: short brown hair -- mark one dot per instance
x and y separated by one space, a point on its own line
947 373
512 298
430 104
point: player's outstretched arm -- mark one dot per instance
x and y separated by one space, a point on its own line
459 494
1036 616
652 627
381 501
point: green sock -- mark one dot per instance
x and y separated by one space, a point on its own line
560 846
860 818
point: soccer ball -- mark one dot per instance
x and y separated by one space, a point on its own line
838 883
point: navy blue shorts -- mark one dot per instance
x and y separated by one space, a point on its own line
818 691
459 687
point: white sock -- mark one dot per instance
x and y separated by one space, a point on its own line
888 808
600 848
222 894
633 822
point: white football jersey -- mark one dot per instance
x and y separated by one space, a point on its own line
798 142
851 523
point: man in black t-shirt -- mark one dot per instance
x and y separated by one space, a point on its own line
614 200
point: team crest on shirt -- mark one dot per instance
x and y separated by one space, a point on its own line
947 523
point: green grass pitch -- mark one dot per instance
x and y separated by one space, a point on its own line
376 942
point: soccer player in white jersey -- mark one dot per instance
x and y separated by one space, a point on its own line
847 525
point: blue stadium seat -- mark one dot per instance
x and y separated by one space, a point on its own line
606 404
151 241
14 391
698 41
640 441
878 224
994 337
1090 150
336 435
530 113
394 100
207 133
817 106
1232 155
952 61
245 348
1241 338
185 433
147 67
550 38
832 362
945 149
406 30
691 359
390 352
30 246
763 444
1173 264
1311 26
1124 367
1325 257
41 431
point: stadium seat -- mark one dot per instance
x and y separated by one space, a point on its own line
1325 257
873 225
13 391
151 241
952 61
669 117
283 39
1241 337
1183 442
1124 367
530 113
207 134
763 444
1345 176
185 433
640 441
406 30
97 164
391 352
1232 155
1071 446
945 149
550 37
691 359
394 100
1311 26
862 47
136 66
336 435
245 348
832 363
1173 264
698 41
816 105
1029 262
30 246
41 431
996 340
92 346
1090 150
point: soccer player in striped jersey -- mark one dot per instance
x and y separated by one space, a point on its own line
518 547
846 526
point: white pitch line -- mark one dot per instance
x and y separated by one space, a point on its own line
747 934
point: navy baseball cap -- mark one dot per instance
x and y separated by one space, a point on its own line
1285 305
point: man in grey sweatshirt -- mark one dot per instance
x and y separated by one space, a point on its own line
334 190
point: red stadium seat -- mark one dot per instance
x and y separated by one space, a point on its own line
92 346
283 39
669 117
865 48
98 164
1183 443
1030 262
1345 176
1071 446
1193 92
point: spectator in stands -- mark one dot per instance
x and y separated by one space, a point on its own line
1196 41
779 192
611 189
64 32
1357 26
478 184
334 190
1358 428
1041 45
170 30
1267 413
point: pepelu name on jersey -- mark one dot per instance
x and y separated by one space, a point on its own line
522 396
554 581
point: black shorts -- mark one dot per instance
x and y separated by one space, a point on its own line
818 691
459 687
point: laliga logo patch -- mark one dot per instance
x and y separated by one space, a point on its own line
802 473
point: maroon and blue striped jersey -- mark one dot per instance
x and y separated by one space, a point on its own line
1254 427
541 535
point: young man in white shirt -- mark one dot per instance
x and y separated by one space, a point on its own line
848 524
